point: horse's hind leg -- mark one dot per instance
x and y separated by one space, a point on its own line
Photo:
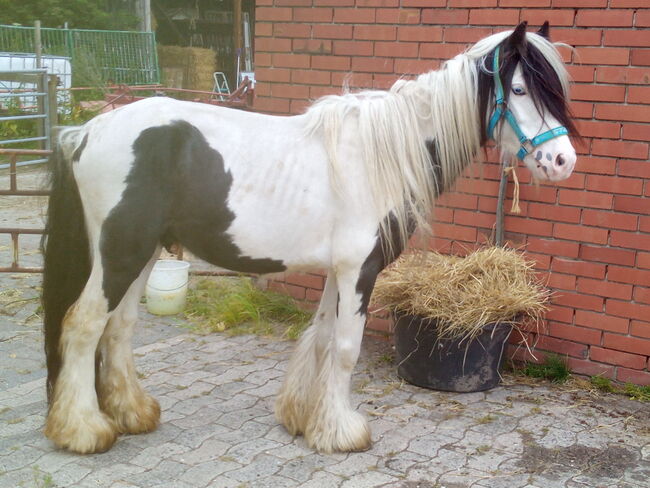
75 421
295 401
121 397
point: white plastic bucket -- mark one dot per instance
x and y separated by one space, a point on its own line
167 287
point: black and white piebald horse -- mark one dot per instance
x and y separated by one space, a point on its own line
340 187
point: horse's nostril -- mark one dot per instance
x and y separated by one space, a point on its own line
559 161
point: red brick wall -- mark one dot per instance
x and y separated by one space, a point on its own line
589 235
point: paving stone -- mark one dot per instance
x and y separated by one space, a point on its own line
203 474
261 467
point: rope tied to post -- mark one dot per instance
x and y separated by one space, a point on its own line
515 193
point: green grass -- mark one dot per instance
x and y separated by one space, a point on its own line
236 306
634 392
554 368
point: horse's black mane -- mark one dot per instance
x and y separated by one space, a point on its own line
542 82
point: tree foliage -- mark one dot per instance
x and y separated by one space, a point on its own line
79 14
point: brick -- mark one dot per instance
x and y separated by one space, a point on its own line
623 149
636 205
352 80
544 194
578 37
619 185
397 16
445 17
636 132
313 15
272 75
466 34
579 3
333 32
319 91
607 255
554 247
638 94
644 224
603 56
578 334
297 292
290 91
423 3
579 301
312 46
631 76
384 81
474 219
632 376
291 30
580 233
300 106
440 51
541 261
428 33
603 130
582 74
559 281
641 295
334 3
458 200
536 17
271 105
471 3
589 368
628 275
627 38
604 18
553 212
604 288
631 240
306 280
311 77
372 65
375 32
598 93
601 321
414 66
585 199
524 3
290 3
334 63
634 345
561 346
528 226
313 295
609 220
281 60
499 16
263 29
396 49
273 14
628 3
353 48
272 44
560 314
643 260
640 329
632 113
640 57
596 165
354 15
455 232
377 3
633 361
579 268
263 59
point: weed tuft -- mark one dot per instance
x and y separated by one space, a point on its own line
554 368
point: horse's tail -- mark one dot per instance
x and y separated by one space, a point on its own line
65 248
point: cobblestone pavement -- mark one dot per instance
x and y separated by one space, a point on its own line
218 429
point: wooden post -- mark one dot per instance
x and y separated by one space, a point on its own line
237 36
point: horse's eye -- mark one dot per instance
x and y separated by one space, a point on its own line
518 90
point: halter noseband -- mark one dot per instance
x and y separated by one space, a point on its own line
502 111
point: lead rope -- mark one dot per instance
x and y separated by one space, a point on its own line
515 193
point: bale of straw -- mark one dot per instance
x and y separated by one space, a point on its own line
463 294
197 65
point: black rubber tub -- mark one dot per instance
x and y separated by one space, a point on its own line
448 365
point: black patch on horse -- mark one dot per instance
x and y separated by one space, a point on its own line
177 191
76 155
436 168
380 257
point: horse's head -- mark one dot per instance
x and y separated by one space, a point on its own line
523 92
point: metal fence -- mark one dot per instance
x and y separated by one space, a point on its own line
117 57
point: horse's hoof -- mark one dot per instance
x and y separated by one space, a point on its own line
83 434
142 415
347 433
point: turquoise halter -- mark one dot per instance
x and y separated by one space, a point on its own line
502 111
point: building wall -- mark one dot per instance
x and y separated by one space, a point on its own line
589 235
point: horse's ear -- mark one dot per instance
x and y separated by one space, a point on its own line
517 39
544 31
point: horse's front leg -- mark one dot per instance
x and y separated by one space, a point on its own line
295 401
334 424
